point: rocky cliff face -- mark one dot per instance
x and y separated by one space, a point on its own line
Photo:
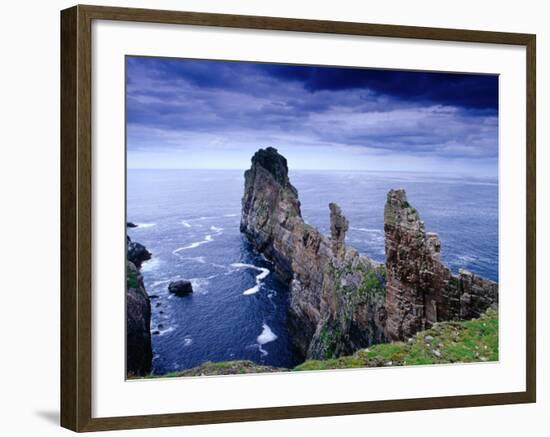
336 295
420 289
341 301
138 314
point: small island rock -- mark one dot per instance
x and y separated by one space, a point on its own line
180 287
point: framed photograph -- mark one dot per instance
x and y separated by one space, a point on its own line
268 218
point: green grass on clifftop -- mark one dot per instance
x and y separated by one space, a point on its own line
446 342
236 367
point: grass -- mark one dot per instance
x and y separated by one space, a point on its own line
450 342
222 368
372 283
131 278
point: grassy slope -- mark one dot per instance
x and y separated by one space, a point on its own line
223 368
453 342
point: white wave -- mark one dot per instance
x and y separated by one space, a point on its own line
216 229
199 259
187 341
167 330
466 258
187 222
145 225
207 239
164 281
252 290
259 278
370 230
230 215
267 336
150 265
200 284
243 266
265 259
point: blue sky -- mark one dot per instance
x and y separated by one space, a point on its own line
216 114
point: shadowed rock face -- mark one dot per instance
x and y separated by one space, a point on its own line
139 354
420 289
336 296
137 253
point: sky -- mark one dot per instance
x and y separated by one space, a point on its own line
200 114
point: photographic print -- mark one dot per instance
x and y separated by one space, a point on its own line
286 218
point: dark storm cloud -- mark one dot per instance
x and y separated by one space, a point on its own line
434 114
464 90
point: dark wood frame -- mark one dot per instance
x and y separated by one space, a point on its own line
76 219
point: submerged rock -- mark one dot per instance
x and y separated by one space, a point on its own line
180 287
131 225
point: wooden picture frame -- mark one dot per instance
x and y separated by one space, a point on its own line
76 217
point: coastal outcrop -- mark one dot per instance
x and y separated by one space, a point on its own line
420 289
341 301
137 253
139 354
336 302
181 287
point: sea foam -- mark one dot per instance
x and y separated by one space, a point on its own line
207 239
267 336
145 225
150 265
259 278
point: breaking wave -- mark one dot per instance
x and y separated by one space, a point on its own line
259 278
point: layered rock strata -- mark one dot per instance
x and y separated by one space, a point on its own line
139 354
339 300
420 289
336 300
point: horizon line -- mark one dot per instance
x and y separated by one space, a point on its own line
319 169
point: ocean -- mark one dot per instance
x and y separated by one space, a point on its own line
189 221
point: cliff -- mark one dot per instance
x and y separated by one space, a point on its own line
339 300
139 354
336 296
420 289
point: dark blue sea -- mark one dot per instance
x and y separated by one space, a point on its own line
189 220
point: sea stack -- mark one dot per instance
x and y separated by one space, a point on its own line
139 353
336 296
420 289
